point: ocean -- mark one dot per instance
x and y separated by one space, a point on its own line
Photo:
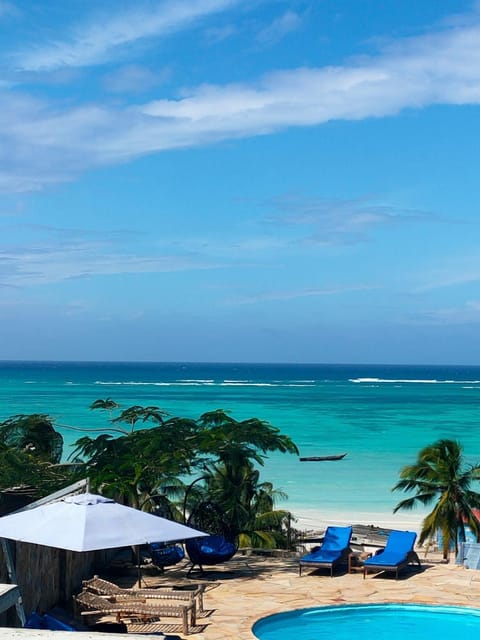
380 416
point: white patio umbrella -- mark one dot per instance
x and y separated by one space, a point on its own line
89 522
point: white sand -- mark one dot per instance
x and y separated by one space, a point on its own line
319 519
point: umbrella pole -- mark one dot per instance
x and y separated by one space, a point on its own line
139 570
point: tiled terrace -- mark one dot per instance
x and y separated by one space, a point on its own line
250 587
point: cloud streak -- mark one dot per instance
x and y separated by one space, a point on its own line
47 143
283 296
336 221
466 314
280 27
51 262
102 38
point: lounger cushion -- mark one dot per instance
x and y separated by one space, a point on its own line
336 541
399 545
323 555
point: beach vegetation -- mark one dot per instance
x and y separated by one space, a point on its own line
151 468
30 456
441 476
232 500
204 471
240 507
129 416
34 434
141 467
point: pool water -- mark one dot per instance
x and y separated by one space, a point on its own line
375 621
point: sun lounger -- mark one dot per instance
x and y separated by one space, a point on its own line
193 593
133 607
398 553
334 550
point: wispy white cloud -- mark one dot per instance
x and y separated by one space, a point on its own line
298 293
280 27
134 78
431 70
101 38
336 221
466 313
454 277
44 143
43 262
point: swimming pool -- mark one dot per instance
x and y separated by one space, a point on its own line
374 621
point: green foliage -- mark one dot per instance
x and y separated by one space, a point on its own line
441 476
134 468
106 405
30 454
233 449
129 416
34 434
143 468
146 467
239 506
235 442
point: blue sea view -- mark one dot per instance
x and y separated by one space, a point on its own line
380 416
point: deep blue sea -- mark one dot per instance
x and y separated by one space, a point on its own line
379 415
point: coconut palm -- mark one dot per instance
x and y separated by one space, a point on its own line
34 434
106 404
441 476
233 502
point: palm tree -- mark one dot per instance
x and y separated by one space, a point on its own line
35 434
106 404
440 475
233 502
236 501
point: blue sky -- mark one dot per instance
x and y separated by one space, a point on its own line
226 180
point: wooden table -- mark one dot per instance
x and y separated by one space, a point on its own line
356 560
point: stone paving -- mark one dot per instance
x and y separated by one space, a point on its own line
250 587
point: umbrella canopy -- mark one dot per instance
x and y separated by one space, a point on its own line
89 522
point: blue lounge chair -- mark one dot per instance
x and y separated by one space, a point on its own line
334 550
398 553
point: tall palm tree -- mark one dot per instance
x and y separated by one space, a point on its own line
231 452
235 503
441 475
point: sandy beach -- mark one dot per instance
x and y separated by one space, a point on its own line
315 519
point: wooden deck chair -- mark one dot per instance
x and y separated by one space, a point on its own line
191 593
133 607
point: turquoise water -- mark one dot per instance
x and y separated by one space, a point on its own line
379 621
380 415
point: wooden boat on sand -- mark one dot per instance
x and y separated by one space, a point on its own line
322 458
